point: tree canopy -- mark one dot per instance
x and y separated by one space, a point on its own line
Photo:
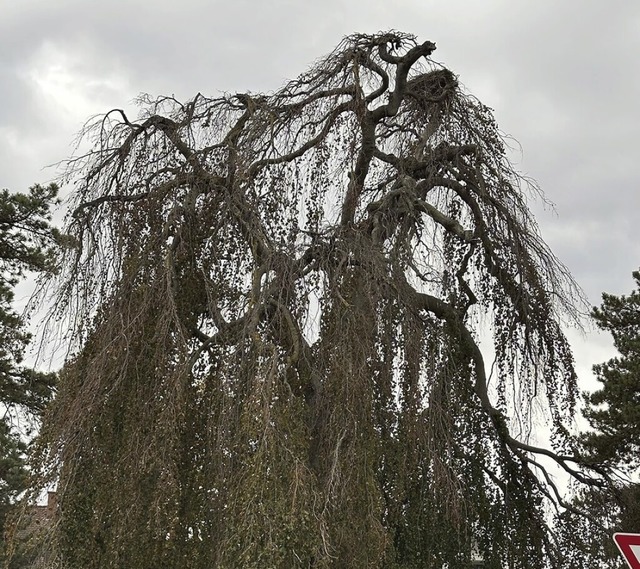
277 302
614 417
26 245
614 409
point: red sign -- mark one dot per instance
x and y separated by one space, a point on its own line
629 546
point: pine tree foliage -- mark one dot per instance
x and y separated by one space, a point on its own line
13 472
277 302
614 410
27 243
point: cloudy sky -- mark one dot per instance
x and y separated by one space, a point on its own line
562 75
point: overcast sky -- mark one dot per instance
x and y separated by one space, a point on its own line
562 75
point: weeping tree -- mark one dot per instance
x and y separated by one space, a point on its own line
277 304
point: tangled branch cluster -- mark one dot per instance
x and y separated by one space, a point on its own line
277 299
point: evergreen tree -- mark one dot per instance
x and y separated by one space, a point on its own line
13 473
26 246
613 410
276 302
